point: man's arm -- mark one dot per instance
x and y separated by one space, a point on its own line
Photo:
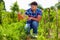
27 17
39 16
37 19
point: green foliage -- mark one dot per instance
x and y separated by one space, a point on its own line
3 3
52 7
58 5
1 9
40 7
15 31
15 7
1 6
22 11
10 30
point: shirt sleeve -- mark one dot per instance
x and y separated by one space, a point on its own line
40 12
27 13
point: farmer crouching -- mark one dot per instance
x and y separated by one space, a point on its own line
34 16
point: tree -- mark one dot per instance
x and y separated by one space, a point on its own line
14 8
52 7
3 4
58 5
1 8
40 7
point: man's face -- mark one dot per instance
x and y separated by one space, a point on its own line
33 7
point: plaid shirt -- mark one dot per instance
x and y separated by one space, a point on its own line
30 13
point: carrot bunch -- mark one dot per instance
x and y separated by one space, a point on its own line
20 17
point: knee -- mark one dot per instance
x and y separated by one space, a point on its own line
27 26
35 23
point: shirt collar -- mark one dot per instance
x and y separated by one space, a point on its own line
32 11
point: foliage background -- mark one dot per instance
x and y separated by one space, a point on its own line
11 29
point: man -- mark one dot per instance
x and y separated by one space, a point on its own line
34 16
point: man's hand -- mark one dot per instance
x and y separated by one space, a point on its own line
29 18
36 19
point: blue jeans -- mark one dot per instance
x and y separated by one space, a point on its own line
31 25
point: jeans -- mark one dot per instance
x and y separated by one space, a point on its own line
31 25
